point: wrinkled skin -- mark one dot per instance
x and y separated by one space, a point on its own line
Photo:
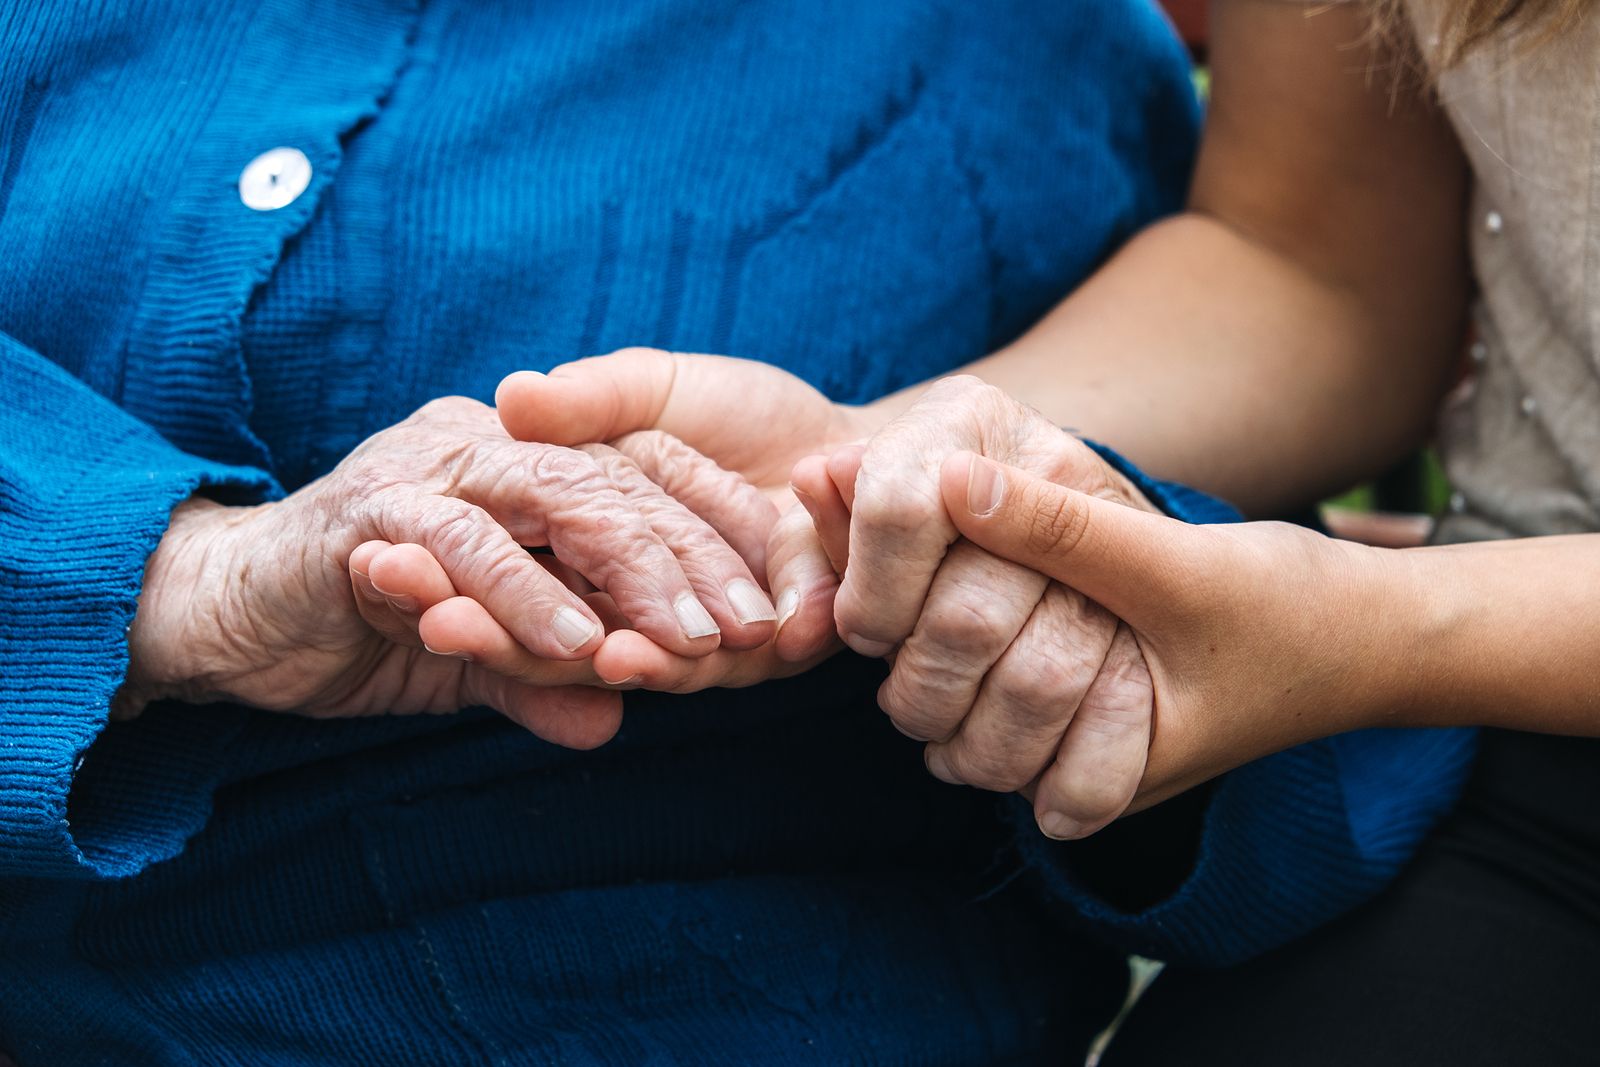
1016 682
328 602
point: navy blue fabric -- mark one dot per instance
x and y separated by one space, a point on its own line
1347 813
866 194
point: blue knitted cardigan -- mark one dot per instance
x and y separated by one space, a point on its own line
865 194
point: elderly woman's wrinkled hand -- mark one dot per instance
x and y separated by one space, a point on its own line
402 580
1016 681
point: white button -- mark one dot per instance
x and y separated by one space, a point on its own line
1479 352
1494 223
274 179
1458 503
1529 405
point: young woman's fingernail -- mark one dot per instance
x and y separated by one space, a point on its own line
749 603
1060 827
453 655
985 485
867 646
788 604
574 629
693 617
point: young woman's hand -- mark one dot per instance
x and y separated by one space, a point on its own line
1257 636
400 582
751 418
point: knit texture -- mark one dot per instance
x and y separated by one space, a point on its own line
1342 815
865 194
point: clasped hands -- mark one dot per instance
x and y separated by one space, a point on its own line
673 557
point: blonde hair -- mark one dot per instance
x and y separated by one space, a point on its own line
1466 24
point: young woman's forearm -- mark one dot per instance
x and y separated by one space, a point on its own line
1294 330
1211 359
1498 633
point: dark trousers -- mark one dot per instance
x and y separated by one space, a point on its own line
1486 951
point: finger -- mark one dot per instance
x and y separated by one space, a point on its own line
739 512
484 562
805 583
593 399
410 577
571 716
388 620
655 669
721 580
820 497
565 498
1102 758
976 607
844 466
1127 560
1031 696
462 628
898 528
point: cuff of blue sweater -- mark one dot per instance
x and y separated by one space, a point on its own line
79 567
1286 843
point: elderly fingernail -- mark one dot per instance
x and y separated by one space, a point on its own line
1061 827
693 617
985 484
788 604
867 646
939 765
749 603
574 629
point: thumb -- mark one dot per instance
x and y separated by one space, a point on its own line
1127 560
594 399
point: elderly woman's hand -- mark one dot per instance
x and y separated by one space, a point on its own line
751 418
1017 682
322 603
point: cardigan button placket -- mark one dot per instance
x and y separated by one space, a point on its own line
274 179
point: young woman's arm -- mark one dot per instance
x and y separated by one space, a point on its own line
1293 331
1262 635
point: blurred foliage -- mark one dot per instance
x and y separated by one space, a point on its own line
1418 484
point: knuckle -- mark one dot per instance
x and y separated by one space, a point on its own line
567 471
983 767
968 626
958 386
1039 689
1100 797
455 527
910 705
891 511
449 409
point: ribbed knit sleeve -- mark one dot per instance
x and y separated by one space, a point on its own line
1286 843
86 492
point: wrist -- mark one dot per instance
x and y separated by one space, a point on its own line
172 638
1409 612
